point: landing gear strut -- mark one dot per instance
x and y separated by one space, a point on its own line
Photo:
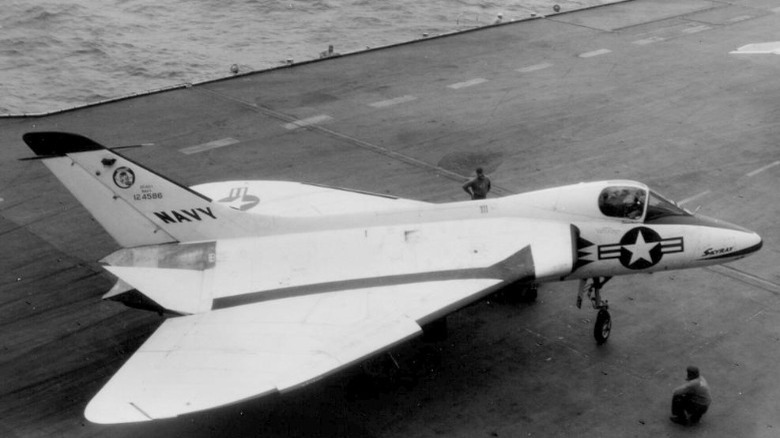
603 324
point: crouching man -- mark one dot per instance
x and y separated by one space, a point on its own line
690 400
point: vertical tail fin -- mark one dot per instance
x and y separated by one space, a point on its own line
134 204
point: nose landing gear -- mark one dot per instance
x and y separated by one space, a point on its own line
603 324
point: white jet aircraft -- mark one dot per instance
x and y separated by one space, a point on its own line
277 284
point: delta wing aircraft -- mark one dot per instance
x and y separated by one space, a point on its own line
277 284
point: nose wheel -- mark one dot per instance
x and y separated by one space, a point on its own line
603 326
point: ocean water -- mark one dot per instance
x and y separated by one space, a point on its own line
57 54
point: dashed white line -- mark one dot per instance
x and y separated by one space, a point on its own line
391 102
738 19
535 67
593 53
208 146
759 48
767 167
650 40
686 200
475 81
308 121
696 29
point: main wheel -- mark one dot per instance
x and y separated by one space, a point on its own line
603 326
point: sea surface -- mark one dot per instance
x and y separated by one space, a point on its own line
58 54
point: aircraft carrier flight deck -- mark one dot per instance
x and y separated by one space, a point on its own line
647 90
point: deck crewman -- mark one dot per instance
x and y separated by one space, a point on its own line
478 187
691 399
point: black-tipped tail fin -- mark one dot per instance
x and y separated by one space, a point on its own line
136 205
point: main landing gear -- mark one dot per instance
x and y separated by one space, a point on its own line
603 319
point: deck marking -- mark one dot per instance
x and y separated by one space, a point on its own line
650 40
208 146
535 67
759 48
768 166
696 29
775 10
686 200
391 102
282 117
308 121
475 81
745 277
738 19
760 312
595 53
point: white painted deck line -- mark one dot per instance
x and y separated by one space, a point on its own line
759 48
308 121
208 146
650 40
767 167
738 19
535 67
391 102
694 197
598 52
775 10
696 29
475 81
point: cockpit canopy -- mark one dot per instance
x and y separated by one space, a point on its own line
632 203
623 202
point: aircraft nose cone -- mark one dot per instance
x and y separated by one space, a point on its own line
729 241
747 243
753 243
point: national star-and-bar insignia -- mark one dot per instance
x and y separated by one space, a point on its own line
639 248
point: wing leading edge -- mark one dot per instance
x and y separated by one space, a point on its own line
293 199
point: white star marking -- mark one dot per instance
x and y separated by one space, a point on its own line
640 249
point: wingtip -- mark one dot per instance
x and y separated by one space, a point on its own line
49 144
100 412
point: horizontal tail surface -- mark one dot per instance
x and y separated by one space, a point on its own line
134 204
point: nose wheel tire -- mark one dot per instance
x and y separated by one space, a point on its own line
603 326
